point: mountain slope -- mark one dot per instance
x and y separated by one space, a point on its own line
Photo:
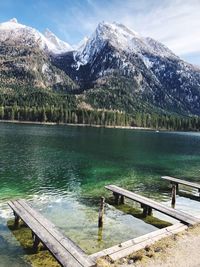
156 75
25 61
21 35
114 69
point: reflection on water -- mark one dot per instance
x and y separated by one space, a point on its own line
62 171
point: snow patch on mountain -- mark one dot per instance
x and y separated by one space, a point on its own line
122 39
14 32
57 46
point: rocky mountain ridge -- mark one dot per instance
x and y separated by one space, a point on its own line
115 68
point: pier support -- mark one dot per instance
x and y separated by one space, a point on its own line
116 196
36 242
121 199
173 202
16 219
176 188
150 212
145 210
101 212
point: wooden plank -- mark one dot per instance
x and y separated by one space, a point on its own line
59 252
62 248
65 241
176 214
45 237
158 234
151 240
183 182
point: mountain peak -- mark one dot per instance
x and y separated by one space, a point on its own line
115 31
116 27
14 20
48 33
59 45
118 35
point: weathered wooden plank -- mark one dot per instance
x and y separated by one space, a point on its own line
58 251
66 254
146 242
65 241
158 234
179 215
179 181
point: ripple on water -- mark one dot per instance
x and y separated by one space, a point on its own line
63 170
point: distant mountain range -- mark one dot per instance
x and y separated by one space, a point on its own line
114 69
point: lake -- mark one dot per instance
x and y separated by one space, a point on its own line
62 171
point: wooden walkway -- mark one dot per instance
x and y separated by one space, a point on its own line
183 182
133 245
149 204
65 251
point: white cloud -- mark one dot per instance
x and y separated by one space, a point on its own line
176 23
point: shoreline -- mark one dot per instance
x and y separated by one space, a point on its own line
78 124
180 249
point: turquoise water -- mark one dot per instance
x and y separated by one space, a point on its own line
62 170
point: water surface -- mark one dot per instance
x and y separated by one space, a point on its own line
62 170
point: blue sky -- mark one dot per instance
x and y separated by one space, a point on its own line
176 23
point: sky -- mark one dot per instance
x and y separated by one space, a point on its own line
175 23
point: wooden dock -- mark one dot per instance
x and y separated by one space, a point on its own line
176 181
133 245
65 251
149 204
68 254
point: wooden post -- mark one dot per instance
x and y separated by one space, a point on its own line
173 195
36 242
145 208
122 199
116 196
149 212
176 188
101 212
100 234
16 219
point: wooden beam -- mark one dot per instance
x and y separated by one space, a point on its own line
16 223
176 214
173 202
121 199
62 248
101 212
150 212
145 210
36 242
116 196
180 181
126 248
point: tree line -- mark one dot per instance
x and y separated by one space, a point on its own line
62 115
99 117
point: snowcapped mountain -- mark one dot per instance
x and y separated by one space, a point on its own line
57 46
116 56
122 39
25 60
20 34
115 68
